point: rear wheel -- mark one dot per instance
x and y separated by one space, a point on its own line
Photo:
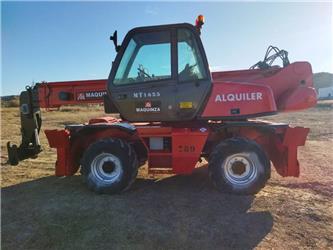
109 166
239 166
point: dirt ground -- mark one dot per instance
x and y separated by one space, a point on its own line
40 211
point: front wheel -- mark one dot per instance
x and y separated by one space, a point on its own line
239 166
109 166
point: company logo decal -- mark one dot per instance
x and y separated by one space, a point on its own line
148 104
148 107
81 97
89 95
202 130
238 97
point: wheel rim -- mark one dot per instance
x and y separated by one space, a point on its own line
106 167
239 169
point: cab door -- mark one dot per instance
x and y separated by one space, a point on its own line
193 76
143 82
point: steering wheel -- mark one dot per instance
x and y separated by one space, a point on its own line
190 67
187 72
142 73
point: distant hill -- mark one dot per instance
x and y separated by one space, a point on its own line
322 80
9 101
8 97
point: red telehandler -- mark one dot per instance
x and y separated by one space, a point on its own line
173 111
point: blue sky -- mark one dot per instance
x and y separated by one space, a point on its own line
56 41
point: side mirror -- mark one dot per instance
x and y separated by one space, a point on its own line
114 38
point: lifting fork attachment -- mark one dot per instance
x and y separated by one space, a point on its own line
49 95
31 123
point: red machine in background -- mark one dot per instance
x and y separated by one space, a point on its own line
173 112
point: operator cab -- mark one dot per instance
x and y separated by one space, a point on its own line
160 74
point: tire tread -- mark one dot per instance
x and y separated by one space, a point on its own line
220 153
105 145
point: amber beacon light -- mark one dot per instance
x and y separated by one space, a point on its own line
199 22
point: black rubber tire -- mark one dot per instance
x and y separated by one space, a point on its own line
232 148
119 149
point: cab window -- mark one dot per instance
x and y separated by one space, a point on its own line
190 63
146 58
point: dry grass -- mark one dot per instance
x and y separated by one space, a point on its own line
40 211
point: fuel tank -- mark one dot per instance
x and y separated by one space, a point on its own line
257 92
